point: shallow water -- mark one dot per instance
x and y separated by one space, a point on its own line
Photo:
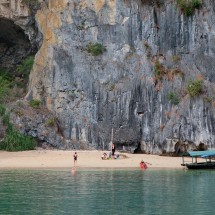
107 192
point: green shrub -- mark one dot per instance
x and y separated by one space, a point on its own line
4 88
159 70
188 6
2 110
14 141
95 49
208 99
196 3
30 2
13 83
25 67
51 122
194 88
6 74
173 98
6 119
35 103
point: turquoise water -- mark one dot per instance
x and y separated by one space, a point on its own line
107 192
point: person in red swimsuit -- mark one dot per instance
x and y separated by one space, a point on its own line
143 165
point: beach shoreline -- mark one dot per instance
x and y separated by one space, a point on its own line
52 159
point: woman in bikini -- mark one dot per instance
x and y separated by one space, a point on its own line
75 158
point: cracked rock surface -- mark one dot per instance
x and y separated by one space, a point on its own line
151 50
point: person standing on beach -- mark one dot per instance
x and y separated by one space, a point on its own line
75 158
113 149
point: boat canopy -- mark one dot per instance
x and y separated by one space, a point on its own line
203 154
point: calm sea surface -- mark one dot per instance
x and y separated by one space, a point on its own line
104 192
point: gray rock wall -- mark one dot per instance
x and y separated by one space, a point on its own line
118 89
19 36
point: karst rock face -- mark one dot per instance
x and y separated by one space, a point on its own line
18 32
11 9
151 50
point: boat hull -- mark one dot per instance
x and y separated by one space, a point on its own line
205 165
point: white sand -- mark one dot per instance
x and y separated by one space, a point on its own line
90 159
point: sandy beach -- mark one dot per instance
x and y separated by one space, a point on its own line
86 159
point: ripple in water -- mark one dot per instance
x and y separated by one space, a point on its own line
115 192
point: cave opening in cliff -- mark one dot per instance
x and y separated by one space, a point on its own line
14 44
16 60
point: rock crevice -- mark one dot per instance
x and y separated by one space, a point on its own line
152 50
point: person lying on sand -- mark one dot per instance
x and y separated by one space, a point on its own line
104 156
116 156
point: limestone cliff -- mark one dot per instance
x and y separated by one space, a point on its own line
18 32
138 86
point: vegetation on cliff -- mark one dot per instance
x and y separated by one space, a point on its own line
34 5
173 98
13 140
4 88
188 6
95 49
35 103
194 88
13 81
13 84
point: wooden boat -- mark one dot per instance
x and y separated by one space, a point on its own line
194 164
